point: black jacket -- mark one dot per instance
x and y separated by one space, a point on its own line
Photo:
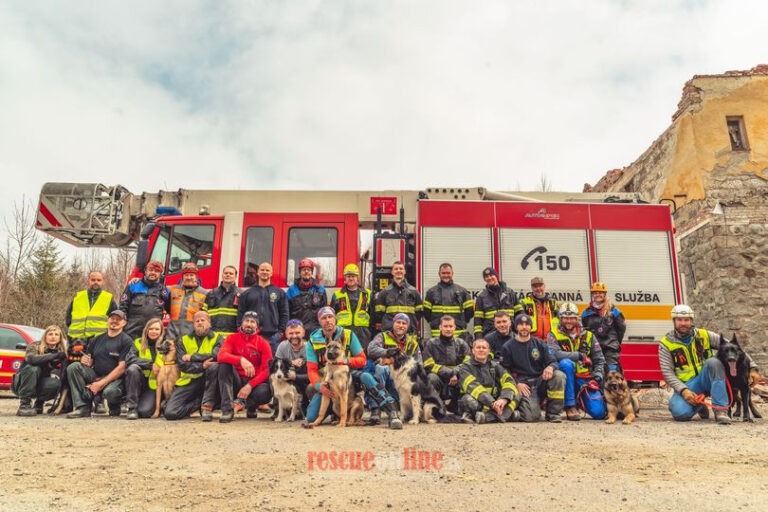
222 304
270 303
397 299
448 299
442 356
491 300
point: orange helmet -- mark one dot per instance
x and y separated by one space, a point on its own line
598 286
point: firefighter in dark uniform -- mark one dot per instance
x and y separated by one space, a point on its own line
398 297
489 391
442 357
541 307
353 306
495 297
221 303
145 299
448 298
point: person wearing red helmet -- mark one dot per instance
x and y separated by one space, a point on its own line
306 296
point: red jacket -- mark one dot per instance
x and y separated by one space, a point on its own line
250 346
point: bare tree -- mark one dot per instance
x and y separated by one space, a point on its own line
22 238
545 183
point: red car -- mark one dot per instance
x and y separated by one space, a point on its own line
11 357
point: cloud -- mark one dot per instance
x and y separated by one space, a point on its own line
313 94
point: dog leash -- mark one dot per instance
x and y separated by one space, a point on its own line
700 399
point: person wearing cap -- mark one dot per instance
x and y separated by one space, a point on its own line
500 335
187 298
383 348
398 297
306 296
271 304
88 312
495 297
353 305
221 303
294 349
198 384
489 393
442 356
606 323
100 371
144 299
356 360
541 308
580 358
244 369
448 298
689 364
530 362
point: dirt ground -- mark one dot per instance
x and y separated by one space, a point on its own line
103 463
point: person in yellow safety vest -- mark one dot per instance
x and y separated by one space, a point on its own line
398 297
88 312
541 307
221 303
353 306
689 364
187 298
489 391
143 365
448 298
198 384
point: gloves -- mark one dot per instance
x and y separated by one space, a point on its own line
392 351
689 397
754 377
585 359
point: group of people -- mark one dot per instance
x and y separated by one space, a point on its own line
524 356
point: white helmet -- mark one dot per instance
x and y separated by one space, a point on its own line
682 311
568 309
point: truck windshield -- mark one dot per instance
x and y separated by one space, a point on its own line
187 242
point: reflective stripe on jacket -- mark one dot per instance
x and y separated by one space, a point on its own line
89 321
689 358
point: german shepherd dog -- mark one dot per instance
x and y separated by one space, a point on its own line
619 399
737 369
418 398
287 396
346 404
169 374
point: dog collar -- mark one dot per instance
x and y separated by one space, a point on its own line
169 363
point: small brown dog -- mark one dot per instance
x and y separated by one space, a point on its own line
346 405
619 398
169 374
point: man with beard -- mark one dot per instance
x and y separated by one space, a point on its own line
187 298
88 312
145 299
579 357
197 386
689 364
541 308
306 296
448 298
530 362
495 297
353 305
294 349
244 366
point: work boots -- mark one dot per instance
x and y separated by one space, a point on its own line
721 417
395 423
39 406
81 412
25 408
375 418
572 414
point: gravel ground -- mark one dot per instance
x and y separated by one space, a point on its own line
105 463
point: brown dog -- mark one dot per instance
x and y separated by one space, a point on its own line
346 405
618 398
169 374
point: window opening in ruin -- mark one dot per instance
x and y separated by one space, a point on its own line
737 134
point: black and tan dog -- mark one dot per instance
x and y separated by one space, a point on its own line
737 370
169 374
619 399
346 404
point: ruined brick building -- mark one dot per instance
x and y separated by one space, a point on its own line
711 166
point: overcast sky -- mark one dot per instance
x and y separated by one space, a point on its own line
364 94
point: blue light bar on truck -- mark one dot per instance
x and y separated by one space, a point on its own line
167 210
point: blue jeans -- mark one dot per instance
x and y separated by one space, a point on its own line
368 382
592 401
711 382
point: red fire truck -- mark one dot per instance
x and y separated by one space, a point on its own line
568 239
